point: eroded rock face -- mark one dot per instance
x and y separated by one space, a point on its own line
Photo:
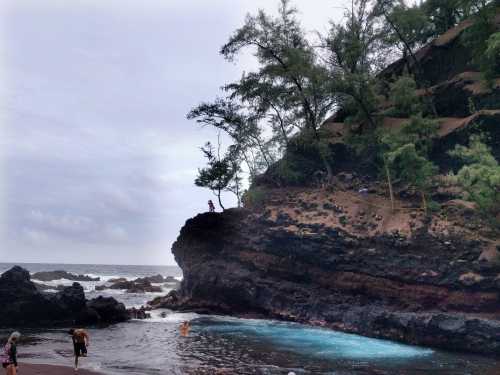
387 285
23 304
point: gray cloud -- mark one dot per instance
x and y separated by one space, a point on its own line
98 160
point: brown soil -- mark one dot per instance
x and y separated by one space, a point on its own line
368 215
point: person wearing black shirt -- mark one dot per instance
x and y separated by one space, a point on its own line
9 360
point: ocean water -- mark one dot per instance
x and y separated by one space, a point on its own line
219 344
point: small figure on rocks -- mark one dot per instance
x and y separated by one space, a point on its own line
211 207
81 341
9 355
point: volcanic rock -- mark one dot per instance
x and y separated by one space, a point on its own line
57 275
24 305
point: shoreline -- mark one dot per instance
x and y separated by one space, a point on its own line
45 369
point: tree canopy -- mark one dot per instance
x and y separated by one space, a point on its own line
275 113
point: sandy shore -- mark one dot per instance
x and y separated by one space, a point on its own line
33 369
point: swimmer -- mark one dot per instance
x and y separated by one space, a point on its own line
185 326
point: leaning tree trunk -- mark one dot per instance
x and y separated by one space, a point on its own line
389 183
424 202
220 201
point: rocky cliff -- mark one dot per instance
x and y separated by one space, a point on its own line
330 256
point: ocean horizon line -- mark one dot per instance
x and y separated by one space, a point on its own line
93 264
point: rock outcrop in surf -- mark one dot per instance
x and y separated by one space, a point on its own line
24 305
58 275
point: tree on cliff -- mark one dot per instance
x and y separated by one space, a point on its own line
290 87
242 126
221 173
352 59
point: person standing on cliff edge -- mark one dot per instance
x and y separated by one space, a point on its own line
80 339
211 207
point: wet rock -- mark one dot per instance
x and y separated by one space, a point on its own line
157 279
171 300
72 298
107 310
24 305
136 286
57 275
140 313
117 280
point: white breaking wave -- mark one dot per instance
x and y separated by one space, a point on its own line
167 316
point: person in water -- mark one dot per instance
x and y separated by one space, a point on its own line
185 326
81 341
9 356
211 207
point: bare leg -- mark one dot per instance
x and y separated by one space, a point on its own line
14 370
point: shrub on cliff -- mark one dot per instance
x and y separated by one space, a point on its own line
254 197
491 59
405 155
303 158
405 98
480 176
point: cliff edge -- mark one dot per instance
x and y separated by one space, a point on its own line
339 256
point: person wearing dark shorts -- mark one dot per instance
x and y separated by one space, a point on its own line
80 342
80 349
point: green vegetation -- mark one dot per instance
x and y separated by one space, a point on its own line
490 63
220 174
254 197
404 97
274 114
480 176
405 155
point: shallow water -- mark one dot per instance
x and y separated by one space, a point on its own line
246 347
240 346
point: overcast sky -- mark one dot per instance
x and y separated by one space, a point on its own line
97 160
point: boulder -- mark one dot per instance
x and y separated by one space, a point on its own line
108 310
140 313
168 301
135 286
157 279
72 298
22 303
